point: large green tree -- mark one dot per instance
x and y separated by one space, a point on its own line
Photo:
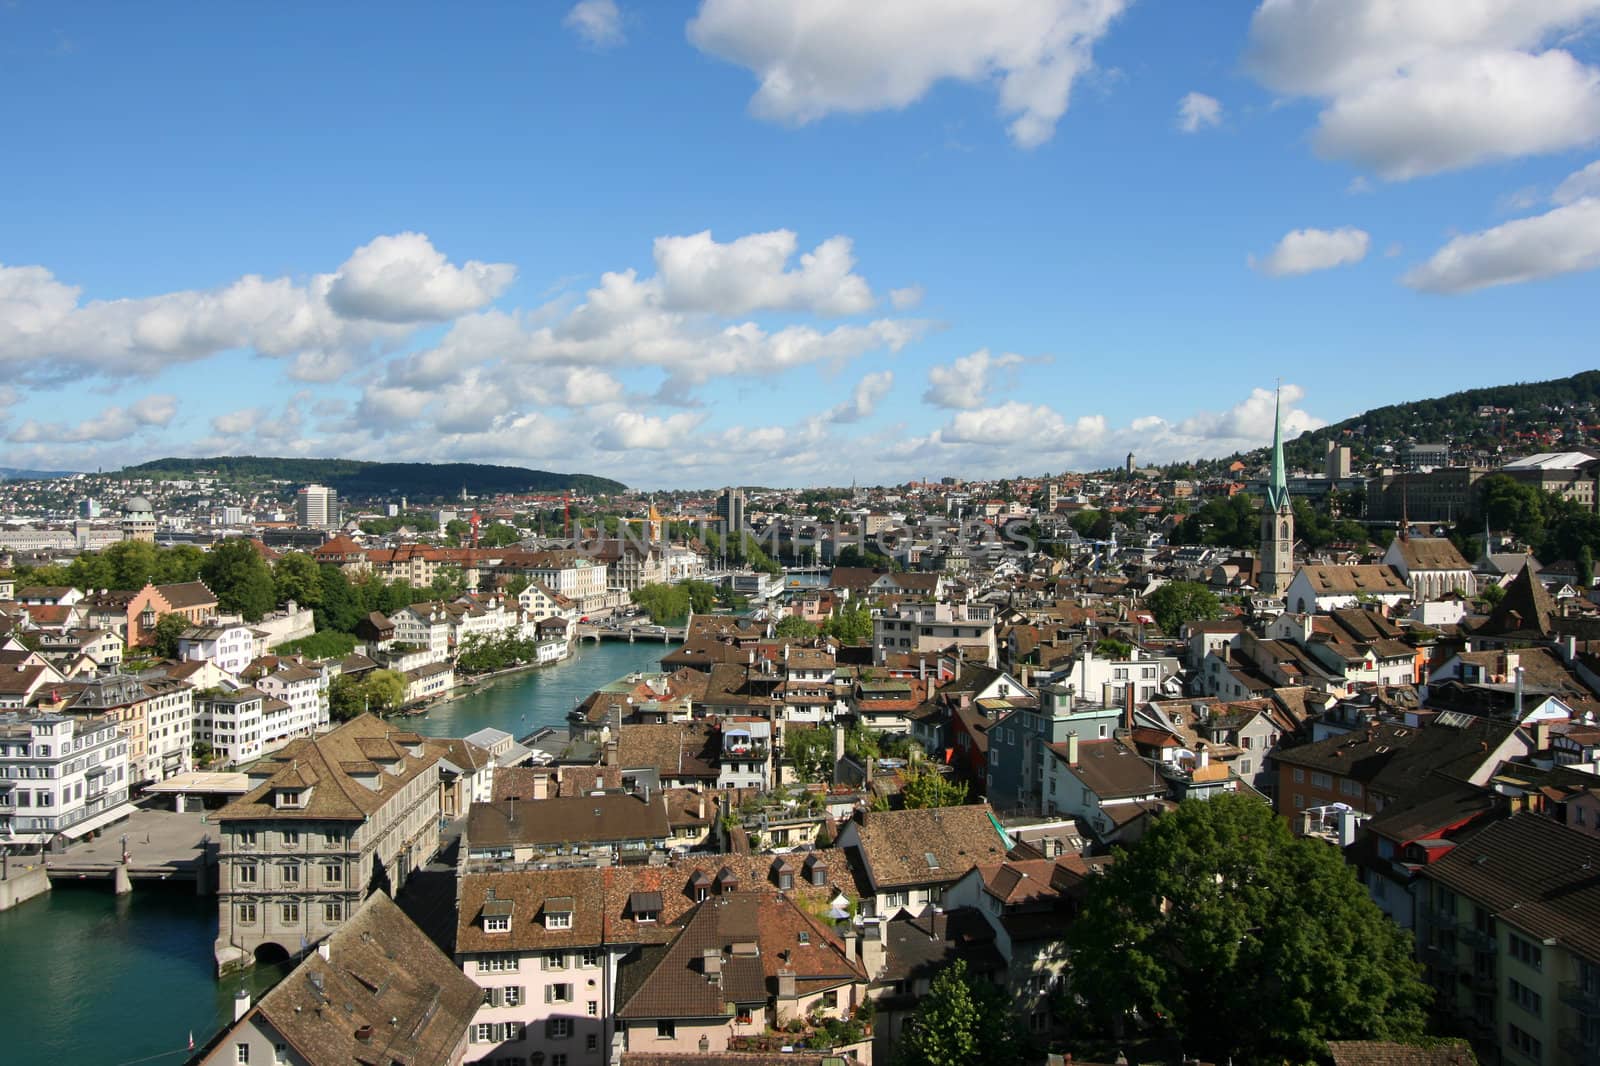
1177 602
962 1021
793 627
928 788
169 627
239 576
810 751
852 624
1225 933
297 577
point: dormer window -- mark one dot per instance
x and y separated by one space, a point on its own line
558 912
644 906
496 914
291 797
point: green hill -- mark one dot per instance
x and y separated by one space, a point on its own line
355 479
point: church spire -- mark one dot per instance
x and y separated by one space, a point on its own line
1278 488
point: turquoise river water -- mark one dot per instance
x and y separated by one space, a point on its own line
88 977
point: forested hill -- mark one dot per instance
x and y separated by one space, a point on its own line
1565 404
354 479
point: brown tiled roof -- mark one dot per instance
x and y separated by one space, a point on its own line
1533 874
384 976
1379 1053
608 818
674 749
677 883
335 794
1112 770
1431 553
188 594
527 893
1371 578
1525 611
895 845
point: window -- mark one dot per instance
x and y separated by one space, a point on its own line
483 1033
558 920
1525 1044
1299 801
291 838
241 1053
246 872
591 957
291 874
1350 788
247 838
558 1059
594 1008
1320 780
1527 952
1524 997
830 999
1245 767
513 995
247 913
333 912
591 1042
558 1028
561 993
291 913
666 1030
555 960
332 873
497 923
280 1054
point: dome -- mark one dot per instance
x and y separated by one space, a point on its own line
136 505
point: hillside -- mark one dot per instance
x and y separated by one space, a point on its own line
355 479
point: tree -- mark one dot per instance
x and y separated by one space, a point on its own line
1585 564
235 571
962 1021
499 535
385 690
297 577
1178 602
850 555
346 698
342 606
851 625
1225 933
810 752
1505 503
929 788
663 603
702 596
169 627
793 627
1112 648
1493 594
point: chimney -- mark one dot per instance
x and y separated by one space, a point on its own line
1518 698
323 950
702 806
838 741
1127 715
1570 646
872 947
786 984
1202 756
241 1004
1072 748
711 965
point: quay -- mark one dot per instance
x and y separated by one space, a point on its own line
152 845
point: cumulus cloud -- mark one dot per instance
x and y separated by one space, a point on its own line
1014 423
1196 111
827 56
111 424
1411 89
1564 240
632 430
403 278
696 273
1303 251
869 392
598 22
965 383
324 325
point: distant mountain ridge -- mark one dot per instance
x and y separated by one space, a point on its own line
17 473
354 478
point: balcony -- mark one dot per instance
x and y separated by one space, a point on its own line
1485 981
1479 940
1584 998
1443 959
1582 1044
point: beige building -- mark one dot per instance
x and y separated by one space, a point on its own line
328 821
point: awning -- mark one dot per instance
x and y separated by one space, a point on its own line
104 818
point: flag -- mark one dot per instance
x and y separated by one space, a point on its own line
191 1039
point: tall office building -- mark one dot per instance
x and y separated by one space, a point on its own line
317 506
730 508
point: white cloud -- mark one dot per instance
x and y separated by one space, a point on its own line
1578 185
869 392
907 298
631 430
695 273
1564 240
1415 88
598 22
325 325
1196 111
1014 423
825 56
403 278
1303 251
111 424
965 383
1248 423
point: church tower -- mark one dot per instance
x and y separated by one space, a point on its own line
1277 518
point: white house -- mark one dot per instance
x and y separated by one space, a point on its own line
230 647
1325 587
60 773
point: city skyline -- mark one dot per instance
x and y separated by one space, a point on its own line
734 243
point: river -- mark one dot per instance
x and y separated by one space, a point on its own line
89 977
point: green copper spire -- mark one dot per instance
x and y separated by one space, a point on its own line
1278 488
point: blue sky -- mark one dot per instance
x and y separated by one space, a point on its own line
688 244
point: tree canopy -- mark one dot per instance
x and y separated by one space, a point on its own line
962 1021
793 627
851 624
239 576
1223 932
1178 602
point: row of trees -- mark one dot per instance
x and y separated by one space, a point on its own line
377 691
1219 934
484 654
